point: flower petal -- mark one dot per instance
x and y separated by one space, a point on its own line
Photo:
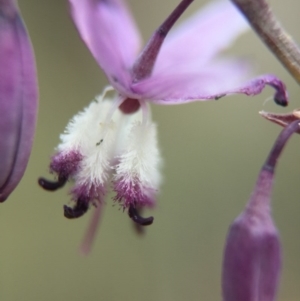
198 40
109 32
137 174
218 80
93 137
18 98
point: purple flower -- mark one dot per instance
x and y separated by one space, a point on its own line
18 97
252 257
114 140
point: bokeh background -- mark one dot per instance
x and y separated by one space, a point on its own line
212 150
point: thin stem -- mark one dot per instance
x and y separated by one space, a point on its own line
259 203
89 237
279 144
145 62
264 22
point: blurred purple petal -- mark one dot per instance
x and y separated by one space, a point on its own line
200 38
108 30
18 98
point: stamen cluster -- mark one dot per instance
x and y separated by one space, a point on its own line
102 146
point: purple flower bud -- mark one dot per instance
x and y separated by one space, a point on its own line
18 97
252 259
252 255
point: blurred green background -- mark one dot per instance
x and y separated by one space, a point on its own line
212 150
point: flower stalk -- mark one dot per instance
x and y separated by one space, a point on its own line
266 25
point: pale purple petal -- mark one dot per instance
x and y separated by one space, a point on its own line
221 79
190 84
18 98
109 32
144 64
199 39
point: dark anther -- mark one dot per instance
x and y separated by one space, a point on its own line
52 185
78 210
134 215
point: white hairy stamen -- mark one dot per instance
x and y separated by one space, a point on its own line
139 162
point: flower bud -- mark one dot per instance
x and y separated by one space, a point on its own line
18 97
252 257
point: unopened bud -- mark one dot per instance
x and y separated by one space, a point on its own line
18 97
252 258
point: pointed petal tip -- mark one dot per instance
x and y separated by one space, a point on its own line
266 115
281 119
257 85
281 96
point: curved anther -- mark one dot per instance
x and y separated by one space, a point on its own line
52 185
134 215
78 210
